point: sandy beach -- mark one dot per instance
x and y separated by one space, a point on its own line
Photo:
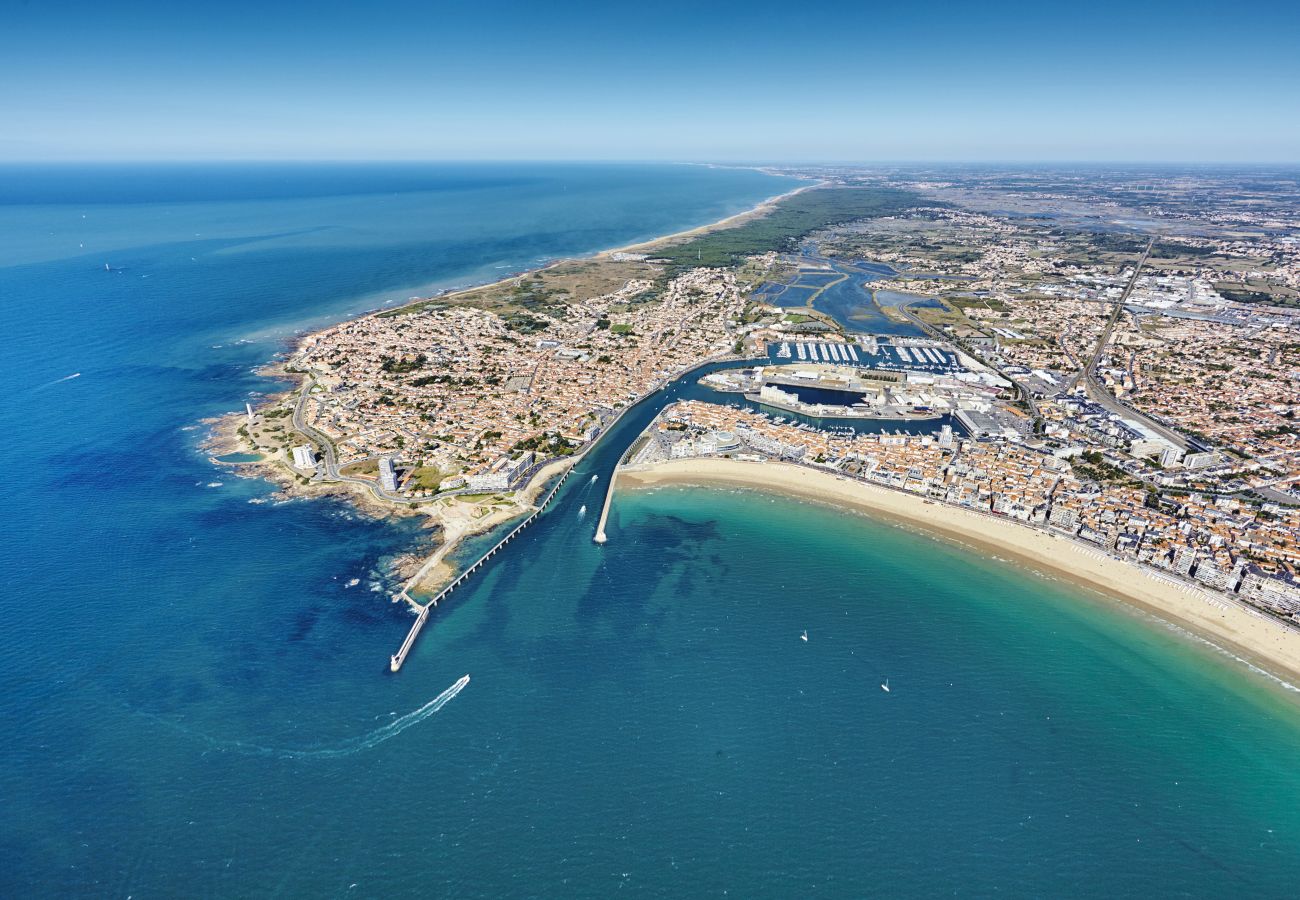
754 212
1251 635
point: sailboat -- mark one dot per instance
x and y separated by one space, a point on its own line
885 687
804 636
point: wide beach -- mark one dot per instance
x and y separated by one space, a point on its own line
1259 640
755 212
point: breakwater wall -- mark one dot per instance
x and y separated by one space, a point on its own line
600 536
398 658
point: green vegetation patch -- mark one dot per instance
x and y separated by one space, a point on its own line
425 478
1093 465
361 469
793 219
547 445
1256 291
525 324
402 366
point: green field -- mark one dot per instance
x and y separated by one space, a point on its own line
1258 291
425 478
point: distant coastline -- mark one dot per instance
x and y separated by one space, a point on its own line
754 212
1259 640
758 210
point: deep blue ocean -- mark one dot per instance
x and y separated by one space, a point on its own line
196 702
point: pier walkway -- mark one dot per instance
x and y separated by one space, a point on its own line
399 657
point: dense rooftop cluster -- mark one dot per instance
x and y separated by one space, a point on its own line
1179 449
1238 386
456 387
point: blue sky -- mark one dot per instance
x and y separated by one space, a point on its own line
743 82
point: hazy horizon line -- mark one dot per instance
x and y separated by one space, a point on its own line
732 164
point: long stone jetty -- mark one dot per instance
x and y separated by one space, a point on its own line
398 658
601 537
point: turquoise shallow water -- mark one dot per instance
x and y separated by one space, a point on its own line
1035 740
196 702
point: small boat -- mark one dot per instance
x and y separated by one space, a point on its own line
885 687
107 267
582 512
804 636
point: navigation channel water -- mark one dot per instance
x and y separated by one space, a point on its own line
601 460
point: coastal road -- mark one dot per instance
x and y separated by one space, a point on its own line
327 449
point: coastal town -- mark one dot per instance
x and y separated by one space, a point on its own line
1212 541
1137 395
715 451
470 398
458 412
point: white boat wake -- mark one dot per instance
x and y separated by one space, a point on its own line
42 387
349 747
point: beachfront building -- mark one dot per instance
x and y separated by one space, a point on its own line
1279 595
503 475
387 475
304 457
